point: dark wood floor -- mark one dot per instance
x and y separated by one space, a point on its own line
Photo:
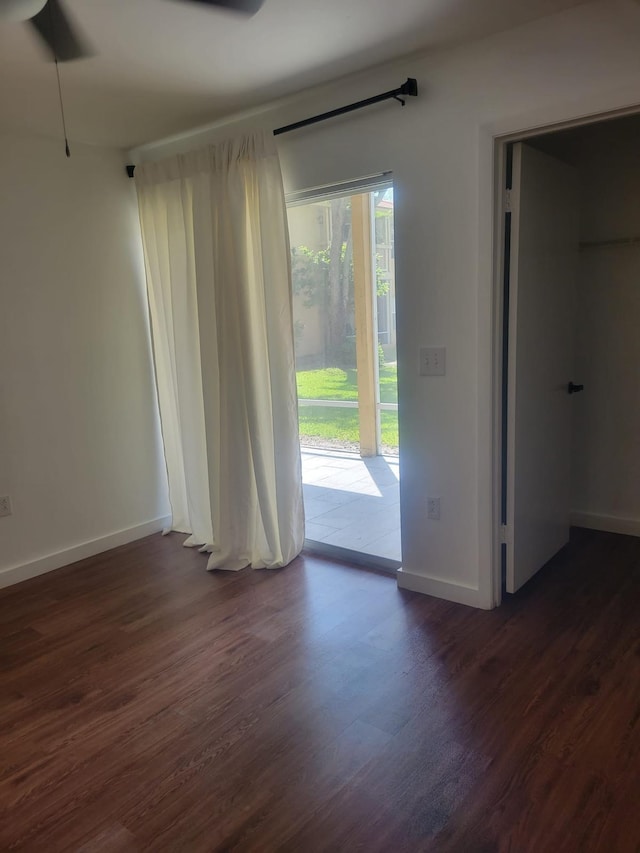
148 705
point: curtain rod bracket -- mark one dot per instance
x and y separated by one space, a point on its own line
410 87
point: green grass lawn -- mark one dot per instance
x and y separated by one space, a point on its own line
333 383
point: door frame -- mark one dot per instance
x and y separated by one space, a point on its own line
498 141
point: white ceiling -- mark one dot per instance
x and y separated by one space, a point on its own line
162 66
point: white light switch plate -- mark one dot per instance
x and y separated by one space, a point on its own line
432 361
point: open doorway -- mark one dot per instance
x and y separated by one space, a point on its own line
343 276
569 450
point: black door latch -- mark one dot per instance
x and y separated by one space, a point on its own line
573 389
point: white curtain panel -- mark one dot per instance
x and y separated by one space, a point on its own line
216 247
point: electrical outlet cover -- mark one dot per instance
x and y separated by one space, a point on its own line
432 361
433 509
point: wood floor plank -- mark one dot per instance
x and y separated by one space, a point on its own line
146 704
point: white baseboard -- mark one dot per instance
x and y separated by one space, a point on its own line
442 589
15 574
608 523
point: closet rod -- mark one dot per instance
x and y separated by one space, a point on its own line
603 244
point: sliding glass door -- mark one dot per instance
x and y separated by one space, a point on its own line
343 277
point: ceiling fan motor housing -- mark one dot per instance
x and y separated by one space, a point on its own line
20 10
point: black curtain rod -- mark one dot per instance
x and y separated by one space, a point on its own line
410 87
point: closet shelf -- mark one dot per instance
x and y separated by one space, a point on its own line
606 244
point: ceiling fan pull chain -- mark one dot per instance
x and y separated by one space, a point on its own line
64 124
52 24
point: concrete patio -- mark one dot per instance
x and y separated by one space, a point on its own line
351 502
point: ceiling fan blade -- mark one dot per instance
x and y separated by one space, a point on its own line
54 27
247 7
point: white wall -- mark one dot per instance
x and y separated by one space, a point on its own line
79 439
606 442
440 148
